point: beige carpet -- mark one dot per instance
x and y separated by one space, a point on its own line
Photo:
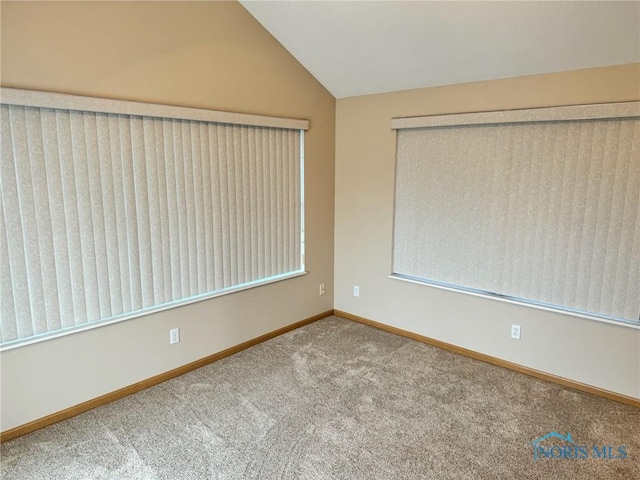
338 400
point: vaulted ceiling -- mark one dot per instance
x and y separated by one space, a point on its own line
357 48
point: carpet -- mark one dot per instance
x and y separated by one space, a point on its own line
340 400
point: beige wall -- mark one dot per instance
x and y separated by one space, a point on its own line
595 353
200 54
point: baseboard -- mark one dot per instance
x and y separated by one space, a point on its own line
600 392
150 382
163 377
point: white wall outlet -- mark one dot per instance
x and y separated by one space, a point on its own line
356 291
323 289
515 331
174 336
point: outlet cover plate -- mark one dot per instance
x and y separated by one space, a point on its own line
515 331
174 336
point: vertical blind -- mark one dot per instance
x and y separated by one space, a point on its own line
527 205
105 215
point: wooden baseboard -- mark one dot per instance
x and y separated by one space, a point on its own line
150 382
163 377
600 392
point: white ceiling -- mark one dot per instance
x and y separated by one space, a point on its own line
357 48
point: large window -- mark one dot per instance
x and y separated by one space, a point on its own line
114 209
535 206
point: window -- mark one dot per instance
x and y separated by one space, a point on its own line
535 206
115 209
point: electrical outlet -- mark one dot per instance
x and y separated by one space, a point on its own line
356 291
174 336
323 289
515 331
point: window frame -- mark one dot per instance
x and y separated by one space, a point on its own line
58 101
619 110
